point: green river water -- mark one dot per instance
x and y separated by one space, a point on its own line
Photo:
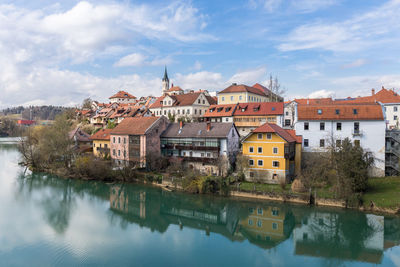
50 221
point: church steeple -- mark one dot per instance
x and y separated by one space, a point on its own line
165 82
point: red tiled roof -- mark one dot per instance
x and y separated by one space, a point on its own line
259 109
314 101
346 112
175 88
383 96
273 128
242 88
134 126
122 94
220 110
182 100
103 134
299 138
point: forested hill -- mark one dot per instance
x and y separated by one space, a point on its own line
34 112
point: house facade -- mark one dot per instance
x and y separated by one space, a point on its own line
101 143
134 139
323 126
274 154
241 94
208 147
122 97
191 106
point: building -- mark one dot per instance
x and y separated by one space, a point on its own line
81 140
272 97
208 147
241 94
246 116
392 152
324 126
274 154
122 97
101 143
165 82
190 106
135 138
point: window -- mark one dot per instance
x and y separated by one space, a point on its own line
394 109
319 111
250 222
395 117
259 211
251 174
306 126
251 149
259 149
240 97
251 162
287 122
357 142
204 102
227 119
275 164
188 111
124 140
274 226
322 126
113 152
287 113
223 98
269 136
260 162
338 126
356 127
119 140
114 139
275 150
105 145
208 155
275 212
119 153
198 101
202 155
94 145
305 142
337 112
338 143
355 112
260 136
231 98
322 143
251 210
183 111
200 111
183 153
259 223
124 153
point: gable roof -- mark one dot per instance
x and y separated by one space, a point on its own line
383 96
103 134
182 100
259 108
134 125
79 135
234 88
198 129
346 112
175 88
220 110
273 128
122 94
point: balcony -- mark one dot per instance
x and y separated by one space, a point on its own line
189 147
355 132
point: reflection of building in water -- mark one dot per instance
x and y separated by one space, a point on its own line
348 236
135 203
392 232
266 226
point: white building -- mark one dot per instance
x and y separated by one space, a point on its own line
122 97
324 125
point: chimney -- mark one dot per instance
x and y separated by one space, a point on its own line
180 124
208 126
372 91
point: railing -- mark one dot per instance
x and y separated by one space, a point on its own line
190 147
357 132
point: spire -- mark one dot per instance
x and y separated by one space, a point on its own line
165 75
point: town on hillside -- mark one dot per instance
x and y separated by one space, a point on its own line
206 130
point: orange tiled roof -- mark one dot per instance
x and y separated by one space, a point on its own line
383 96
314 101
175 88
259 109
134 126
182 100
122 94
340 112
273 128
103 134
299 138
220 110
242 88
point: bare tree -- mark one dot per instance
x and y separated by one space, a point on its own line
276 89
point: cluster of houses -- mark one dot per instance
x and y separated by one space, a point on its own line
207 131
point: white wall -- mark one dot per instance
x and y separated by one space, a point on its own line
372 138
390 113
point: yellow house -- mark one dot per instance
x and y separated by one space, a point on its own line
274 154
101 143
241 94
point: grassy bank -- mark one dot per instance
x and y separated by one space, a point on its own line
383 192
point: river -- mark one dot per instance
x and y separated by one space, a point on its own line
50 221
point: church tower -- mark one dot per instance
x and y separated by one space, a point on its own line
165 82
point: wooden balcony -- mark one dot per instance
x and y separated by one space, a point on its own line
190 147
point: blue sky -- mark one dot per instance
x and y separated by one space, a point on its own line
61 52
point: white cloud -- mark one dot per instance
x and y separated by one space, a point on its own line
295 6
321 93
357 63
359 32
308 6
250 77
135 59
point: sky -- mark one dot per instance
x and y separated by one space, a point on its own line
60 52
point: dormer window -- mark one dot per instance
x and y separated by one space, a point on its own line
273 108
219 109
319 111
212 109
256 108
227 109
161 102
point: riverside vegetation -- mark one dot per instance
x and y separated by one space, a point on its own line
340 174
